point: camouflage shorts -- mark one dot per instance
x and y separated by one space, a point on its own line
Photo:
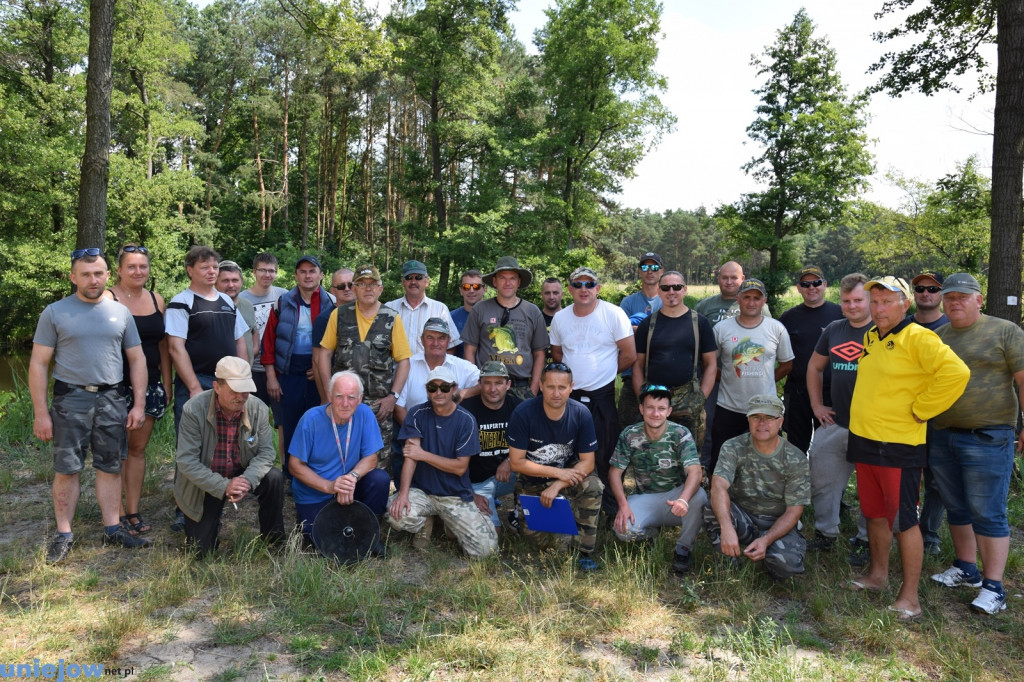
784 558
81 420
473 530
387 431
585 500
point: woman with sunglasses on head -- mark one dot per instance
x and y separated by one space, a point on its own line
147 308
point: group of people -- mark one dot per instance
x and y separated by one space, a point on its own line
422 413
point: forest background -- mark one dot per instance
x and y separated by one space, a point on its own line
430 133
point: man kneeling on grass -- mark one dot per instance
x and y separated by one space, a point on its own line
758 492
440 437
666 468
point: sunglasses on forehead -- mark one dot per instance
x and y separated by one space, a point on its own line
92 252
134 249
556 367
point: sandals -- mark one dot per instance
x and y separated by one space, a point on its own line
136 527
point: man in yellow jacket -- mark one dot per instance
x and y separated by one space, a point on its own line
905 377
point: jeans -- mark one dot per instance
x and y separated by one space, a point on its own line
972 470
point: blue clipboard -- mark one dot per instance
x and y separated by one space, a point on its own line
556 519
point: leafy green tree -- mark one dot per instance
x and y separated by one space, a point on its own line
598 79
951 39
814 148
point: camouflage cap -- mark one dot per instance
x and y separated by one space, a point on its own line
366 271
766 404
493 368
583 272
437 324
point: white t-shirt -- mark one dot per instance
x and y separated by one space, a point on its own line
413 320
746 360
467 375
589 344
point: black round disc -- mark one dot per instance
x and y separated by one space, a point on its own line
345 533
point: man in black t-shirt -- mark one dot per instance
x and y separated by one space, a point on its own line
489 472
804 324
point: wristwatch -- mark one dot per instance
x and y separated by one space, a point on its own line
394 394
354 474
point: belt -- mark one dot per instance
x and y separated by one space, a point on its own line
520 382
91 388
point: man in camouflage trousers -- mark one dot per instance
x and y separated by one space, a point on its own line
758 492
440 437
666 468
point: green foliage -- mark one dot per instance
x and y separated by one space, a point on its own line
814 148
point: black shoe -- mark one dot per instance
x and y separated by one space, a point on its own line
378 550
821 543
59 548
860 552
125 539
932 548
681 563
178 525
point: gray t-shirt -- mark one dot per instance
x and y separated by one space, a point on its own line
513 343
87 339
842 344
261 306
746 360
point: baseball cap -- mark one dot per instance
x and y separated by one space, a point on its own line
236 373
752 285
583 272
493 368
441 373
765 403
437 324
961 282
414 267
366 271
810 270
928 275
891 283
650 255
308 259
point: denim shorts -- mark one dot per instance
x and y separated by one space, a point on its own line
156 399
82 419
972 470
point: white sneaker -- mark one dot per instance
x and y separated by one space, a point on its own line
954 577
989 602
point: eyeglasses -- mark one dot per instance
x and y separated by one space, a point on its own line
761 418
649 267
82 253
811 283
344 286
920 288
671 287
417 278
134 249
556 367
444 388
363 284
266 271
471 287
589 284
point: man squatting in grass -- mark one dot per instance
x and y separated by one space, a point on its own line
758 492
666 468
905 377
85 335
971 444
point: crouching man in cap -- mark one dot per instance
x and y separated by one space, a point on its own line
758 492
440 437
334 454
666 467
226 451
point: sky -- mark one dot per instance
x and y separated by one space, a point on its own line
705 56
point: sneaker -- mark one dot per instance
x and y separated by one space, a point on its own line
988 602
681 563
860 552
59 548
125 539
932 548
587 564
178 525
955 577
821 542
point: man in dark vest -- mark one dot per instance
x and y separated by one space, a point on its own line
368 338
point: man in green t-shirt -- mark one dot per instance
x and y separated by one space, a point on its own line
758 492
667 472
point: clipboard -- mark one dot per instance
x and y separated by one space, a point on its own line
556 519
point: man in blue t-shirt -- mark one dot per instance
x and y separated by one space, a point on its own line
440 437
333 454
552 443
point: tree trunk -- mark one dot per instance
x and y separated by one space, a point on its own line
440 207
139 78
284 150
259 169
92 191
1004 284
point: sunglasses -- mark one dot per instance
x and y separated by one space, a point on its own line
589 284
811 283
444 388
649 267
82 253
415 278
655 387
134 249
556 367
344 286
920 288
671 287
471 287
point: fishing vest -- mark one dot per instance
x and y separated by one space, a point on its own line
287 308
370 359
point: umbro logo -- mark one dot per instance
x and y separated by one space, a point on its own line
849 351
